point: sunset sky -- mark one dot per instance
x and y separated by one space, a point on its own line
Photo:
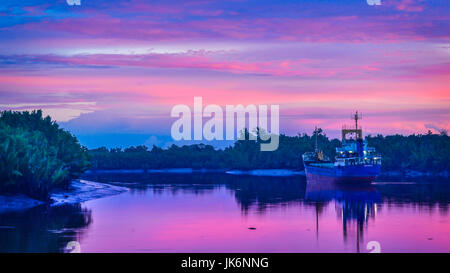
110 71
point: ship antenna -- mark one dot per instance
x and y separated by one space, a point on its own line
356 117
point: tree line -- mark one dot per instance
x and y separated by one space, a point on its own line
425 153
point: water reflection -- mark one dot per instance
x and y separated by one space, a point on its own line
213 213
266 192
250 192
162 183
260 193
354 204
42 229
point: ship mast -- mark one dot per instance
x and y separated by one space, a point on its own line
356 116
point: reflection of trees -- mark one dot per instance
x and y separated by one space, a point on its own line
425 193
42 229
263 192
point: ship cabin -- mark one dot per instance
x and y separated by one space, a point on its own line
348 155
354 150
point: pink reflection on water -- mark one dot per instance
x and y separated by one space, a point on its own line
214 222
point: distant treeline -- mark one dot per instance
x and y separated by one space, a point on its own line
244 154
36 155
425 153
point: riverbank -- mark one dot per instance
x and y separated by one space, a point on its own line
256 172
413 173
267 172
79 191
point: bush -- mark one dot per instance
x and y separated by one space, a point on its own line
36 155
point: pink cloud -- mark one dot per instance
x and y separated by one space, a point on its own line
349 29
201 12
336 67
407 5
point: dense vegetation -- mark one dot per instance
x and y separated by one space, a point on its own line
244 154
427 153
36 155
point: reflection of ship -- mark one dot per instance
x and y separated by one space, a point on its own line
353 204
355 162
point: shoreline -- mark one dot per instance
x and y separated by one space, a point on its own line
80 191
263 172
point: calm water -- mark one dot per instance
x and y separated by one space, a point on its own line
226 213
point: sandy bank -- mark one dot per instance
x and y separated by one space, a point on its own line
80 191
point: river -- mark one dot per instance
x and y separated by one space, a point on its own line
240 213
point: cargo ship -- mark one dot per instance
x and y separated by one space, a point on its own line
355 162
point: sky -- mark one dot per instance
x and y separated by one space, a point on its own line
111 71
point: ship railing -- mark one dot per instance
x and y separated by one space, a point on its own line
350 127
352 161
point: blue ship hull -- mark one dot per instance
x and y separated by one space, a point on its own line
356 173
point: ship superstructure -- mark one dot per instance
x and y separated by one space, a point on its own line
354 162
